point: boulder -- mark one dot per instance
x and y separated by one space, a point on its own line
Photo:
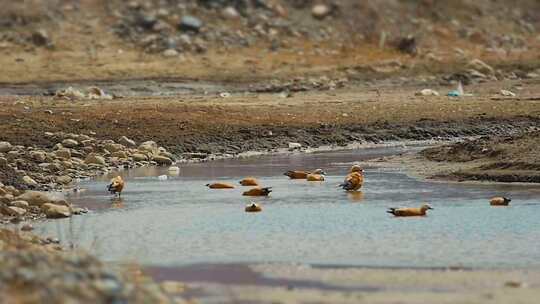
162 160
35 198
5 147
93 158
70 143
127 142
56 211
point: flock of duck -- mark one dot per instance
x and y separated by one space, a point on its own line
352 183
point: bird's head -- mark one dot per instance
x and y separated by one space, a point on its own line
319 171
357 168
426 207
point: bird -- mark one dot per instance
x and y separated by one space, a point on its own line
296 174
316 176
220 186
116 186
258 191
410 211
249 181
500 201
253 207
353 181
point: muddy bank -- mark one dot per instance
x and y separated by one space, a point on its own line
490 158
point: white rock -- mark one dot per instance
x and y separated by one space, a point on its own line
320 11
230 13
293 145
70 143
35 198
56 211
427 92
507 93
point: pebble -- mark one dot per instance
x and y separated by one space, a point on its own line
320 11
190 23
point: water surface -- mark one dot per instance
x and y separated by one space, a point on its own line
179 221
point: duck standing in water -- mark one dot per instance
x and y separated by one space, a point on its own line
354 180
410 211
500 201
116 186
249 181
220 186
316 176
258 191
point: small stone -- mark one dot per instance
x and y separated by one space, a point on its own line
41 38
19 204
12 211
27 227
149 146
230 13
29 181
320 11
139 157
127 142
93 158
162 160
507 93
190 23
427 92
114 147
170 53
5 147
119 154
63 153
64 180
173 287
481 66
70 143
293 146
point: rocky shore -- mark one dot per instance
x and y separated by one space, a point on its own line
26 172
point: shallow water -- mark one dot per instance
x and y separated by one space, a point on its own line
179 221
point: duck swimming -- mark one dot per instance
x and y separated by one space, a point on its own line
316 176
116 186
258 191
410 211
253 207
296 174
500 201
249 181
220 186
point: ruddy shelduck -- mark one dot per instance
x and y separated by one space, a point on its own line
116 186
258 191
296 174
353 181
316 176
500 201
220 186
249 181
410 211
253 207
